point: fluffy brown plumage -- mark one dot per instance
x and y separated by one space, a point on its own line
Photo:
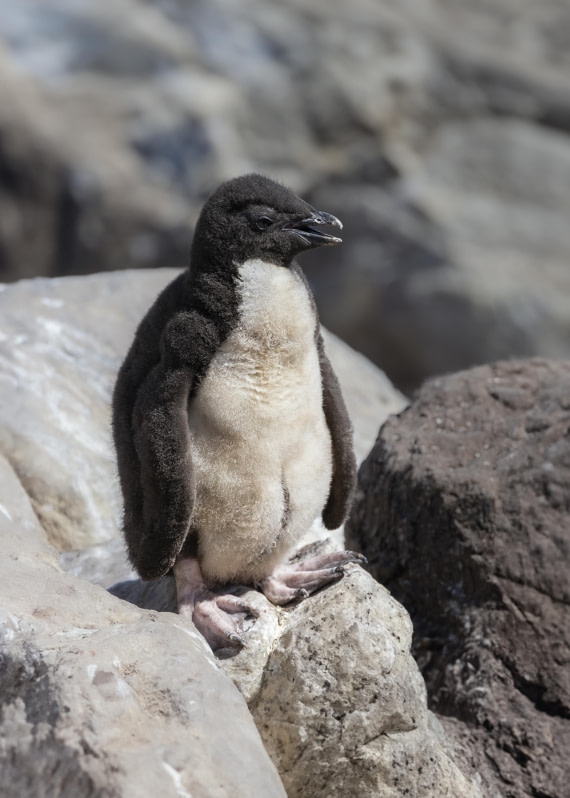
249 220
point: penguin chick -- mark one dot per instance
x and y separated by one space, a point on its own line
231 433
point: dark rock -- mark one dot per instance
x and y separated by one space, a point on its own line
463 511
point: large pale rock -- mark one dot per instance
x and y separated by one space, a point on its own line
99 698
60 347
463 511
61 344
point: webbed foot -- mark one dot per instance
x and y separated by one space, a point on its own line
218 616
298 580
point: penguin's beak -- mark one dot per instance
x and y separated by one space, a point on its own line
315 238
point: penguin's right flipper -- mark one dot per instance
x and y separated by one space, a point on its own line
162 443
161 438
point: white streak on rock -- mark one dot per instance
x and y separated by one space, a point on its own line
175 776
76 632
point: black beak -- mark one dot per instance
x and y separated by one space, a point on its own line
312 237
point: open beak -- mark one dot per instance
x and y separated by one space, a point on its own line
312 237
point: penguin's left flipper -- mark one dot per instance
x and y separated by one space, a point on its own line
218 616
298 580
343 482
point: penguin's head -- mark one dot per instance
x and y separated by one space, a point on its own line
255 217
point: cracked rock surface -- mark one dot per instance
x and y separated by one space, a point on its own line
342 705
463 511
99 698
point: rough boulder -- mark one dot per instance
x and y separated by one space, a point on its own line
463 511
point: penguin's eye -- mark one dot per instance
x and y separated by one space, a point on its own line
263 222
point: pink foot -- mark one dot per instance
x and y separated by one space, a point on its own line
217 616
298 580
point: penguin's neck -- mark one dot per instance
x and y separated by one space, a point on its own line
275 309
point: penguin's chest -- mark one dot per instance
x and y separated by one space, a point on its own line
261 449
268 368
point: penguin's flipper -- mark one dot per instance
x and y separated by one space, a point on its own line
162 441
340 427
343 480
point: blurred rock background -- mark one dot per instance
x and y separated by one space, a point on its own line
437 130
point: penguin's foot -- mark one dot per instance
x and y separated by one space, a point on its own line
298 580
218 616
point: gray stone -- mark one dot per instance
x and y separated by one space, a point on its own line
342 706
60 347
335 693
99 698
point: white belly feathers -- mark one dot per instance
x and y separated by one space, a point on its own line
261 450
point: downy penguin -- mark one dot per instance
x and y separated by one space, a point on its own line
231 433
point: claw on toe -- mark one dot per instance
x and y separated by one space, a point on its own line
236 639
219 620
299 579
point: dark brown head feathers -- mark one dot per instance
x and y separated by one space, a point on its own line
254 217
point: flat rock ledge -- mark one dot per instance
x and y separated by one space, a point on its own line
99 697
